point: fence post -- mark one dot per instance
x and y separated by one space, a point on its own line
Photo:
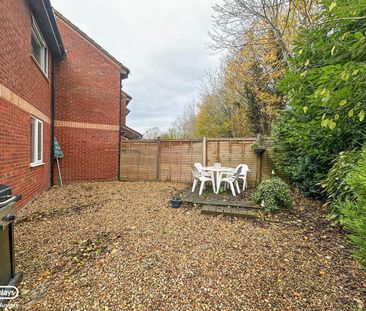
120 158
259 156
204 151
158 159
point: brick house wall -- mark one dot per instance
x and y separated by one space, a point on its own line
87 101
123 110
24 91
87 108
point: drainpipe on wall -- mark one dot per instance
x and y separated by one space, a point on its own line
52 181
120 129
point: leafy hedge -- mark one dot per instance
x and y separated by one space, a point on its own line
326 92
305 151
353 212
335 186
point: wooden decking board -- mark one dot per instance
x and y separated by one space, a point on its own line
221 203
247 204
229 211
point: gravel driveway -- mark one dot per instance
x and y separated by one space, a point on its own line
119 246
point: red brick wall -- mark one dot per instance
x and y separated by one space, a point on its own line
123 111
21 75
15 167
87 91
18 71
89 154
87 82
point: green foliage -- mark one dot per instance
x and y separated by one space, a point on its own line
335 185
177 196
354 212
256 145
274 193
326 92
329 63
304 150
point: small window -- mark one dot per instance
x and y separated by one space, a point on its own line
36 142
39 48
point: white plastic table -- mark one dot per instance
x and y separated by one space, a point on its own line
217 170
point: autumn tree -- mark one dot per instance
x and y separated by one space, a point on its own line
242 98
152 133
258 35
221 110
253 73
184 125
233 18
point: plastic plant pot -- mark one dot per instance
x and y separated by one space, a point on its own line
259 151
176 203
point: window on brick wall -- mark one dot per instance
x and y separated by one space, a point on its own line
39 47
36 142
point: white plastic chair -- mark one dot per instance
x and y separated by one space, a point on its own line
202 178
199 167
242 176
200 170
231 179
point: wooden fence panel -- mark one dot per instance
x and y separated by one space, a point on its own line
172 160
138 160
177 158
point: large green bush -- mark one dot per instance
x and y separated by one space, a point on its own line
304 150
326 92
336 188
354 212
274 194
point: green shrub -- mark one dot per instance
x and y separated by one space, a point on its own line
274 193
305 151
353 213
335 186
325 92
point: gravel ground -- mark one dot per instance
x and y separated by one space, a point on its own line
119 246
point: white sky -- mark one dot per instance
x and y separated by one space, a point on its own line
163 42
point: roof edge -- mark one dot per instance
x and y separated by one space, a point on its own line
128 96
44 15
130 133
125 70
51 15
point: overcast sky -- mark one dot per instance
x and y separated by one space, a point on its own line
163 42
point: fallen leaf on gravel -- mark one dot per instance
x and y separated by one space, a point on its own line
23 291
321 272
177 259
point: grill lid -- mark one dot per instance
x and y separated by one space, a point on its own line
5 190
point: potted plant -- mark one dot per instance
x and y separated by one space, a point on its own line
258 148
176 201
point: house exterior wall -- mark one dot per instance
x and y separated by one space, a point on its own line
24 91
87 106
87 109
123 110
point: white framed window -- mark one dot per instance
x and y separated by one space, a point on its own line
39 47
36 141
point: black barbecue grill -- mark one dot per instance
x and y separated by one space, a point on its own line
8 277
